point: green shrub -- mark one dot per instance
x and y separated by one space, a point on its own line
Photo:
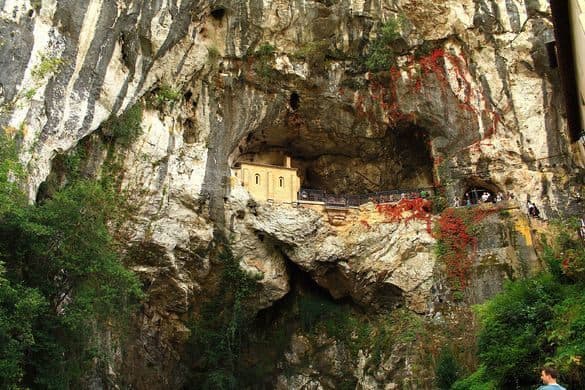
217 334
61 261
29 94
479 380
166 94
314 53
11 196
535 321
265 50
63 277
447 370
565 255
380 55
265 71
213 54
48 66
20 308
439 203
517 319
126 128
36 4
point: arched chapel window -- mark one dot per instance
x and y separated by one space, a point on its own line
281 182
257 179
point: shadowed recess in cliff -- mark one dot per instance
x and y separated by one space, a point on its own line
344 161
306 313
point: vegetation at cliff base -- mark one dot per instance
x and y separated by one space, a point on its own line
61 281
217 335
536 321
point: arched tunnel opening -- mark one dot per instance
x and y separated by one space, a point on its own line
478 191
344 163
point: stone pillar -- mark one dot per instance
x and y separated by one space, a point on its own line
269 185
245 177
293 188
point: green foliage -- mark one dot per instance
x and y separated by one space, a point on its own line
536 321
567 332
532 322
218 333
479 380
63 277
11 172
380 55
314 53
48 66
447 370
20 307
425 49
439 203
265 50
166 94
565 256
213 53
265 71
126 128
72 162
30 93
36 4
517 319
318 313
398 326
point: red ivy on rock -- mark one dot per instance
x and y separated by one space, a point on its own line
457 241
406 210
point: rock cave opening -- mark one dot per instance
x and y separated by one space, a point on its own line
218 13
304 309
400 157
478 191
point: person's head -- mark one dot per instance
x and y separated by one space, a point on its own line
548 375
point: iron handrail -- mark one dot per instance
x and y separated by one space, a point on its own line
312 195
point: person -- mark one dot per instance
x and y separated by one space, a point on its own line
456 202
548 376
485 197
499 197
467 199
533 211
582 229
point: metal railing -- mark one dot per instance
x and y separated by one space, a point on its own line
311 195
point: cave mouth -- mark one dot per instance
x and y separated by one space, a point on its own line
305 308
479 191
399 158
304 287
218 13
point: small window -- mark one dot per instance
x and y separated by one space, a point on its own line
281 182
257 179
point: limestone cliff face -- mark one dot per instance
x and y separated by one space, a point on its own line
467 100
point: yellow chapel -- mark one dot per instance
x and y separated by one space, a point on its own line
268 183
